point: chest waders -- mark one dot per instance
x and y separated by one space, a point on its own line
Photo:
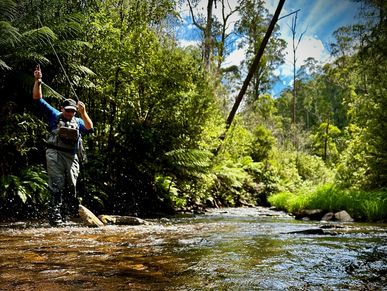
63 145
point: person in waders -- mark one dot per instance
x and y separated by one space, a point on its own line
64 148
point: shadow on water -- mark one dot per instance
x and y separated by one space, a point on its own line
229 249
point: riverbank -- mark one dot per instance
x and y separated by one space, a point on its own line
363 206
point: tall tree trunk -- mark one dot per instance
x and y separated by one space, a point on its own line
295 45
325 156
294 99
208 36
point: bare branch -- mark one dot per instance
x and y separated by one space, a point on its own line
193 17
289 14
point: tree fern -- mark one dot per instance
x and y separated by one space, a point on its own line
188 161
7 9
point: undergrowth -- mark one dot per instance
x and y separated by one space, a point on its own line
361 205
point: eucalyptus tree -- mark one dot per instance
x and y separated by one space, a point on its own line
363 73
295 44
373 64
216 30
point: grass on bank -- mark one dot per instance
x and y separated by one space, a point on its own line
361 205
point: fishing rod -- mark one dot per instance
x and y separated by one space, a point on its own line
61 65
52 90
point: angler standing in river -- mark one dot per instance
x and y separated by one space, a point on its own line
64 151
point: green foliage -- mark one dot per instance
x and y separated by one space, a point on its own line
325 141
159 114
228 188
262 144
170 192
155 102
296 170
22 191
187 162
238 142
21 136
352 166
29 184
362 205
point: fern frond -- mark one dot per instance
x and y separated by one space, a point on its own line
232 176
83 70
43 35
4 66
10 35
8 9
189 161
33 56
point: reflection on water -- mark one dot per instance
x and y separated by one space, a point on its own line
229 249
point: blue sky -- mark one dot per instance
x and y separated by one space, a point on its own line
318 18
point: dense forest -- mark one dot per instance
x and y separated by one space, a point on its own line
164 140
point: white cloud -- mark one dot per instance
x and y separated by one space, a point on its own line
311 47
235 58
186 43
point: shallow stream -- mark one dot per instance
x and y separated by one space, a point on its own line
224 249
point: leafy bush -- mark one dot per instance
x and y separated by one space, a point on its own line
21 137
296 170
262 144
26 190
352 167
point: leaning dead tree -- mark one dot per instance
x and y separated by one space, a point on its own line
254 65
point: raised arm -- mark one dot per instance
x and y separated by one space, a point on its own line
85 117
37 89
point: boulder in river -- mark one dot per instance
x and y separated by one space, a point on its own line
122 220
328 216
343 216
88 217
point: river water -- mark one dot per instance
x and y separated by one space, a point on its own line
223 249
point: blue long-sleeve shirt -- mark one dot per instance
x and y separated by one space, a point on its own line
53 115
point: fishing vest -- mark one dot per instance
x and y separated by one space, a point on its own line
66 136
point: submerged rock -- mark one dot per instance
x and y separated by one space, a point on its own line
316 231
122 220
313 214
